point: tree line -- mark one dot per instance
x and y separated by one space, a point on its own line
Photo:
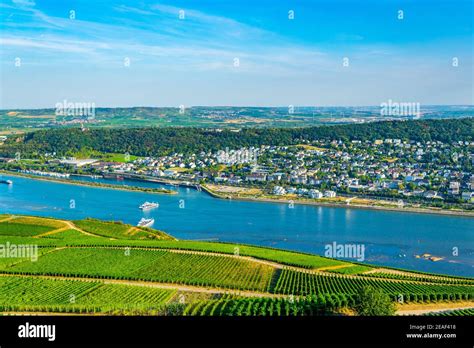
153 141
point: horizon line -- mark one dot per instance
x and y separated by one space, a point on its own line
244 106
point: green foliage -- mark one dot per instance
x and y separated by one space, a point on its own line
119 230
356 269
48 295
300 283
9 228
371 301
162 141
156 265
456 312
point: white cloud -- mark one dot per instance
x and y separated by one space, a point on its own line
24 2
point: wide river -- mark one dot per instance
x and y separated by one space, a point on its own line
390 238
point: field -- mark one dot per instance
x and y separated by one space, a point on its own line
119 230
156 265
301 283
31 294
94 267
18 121
459 312
27 226
14 229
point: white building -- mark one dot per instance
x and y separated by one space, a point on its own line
315 194
329 194
278 190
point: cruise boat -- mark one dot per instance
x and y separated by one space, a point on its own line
146 222
149 205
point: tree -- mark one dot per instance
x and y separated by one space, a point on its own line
373 302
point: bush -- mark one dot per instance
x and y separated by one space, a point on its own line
373 302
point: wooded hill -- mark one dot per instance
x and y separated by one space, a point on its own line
163 141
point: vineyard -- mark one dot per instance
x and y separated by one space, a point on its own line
36 294
151 265
94 267
15 229
289 306
119 230
27 226
419 278
456 312
356 269
302 283
31 294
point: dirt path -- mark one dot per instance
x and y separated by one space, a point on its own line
7 219
334 267
151 284
68 226
420 309
52 232
409 274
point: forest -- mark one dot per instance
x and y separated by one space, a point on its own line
153 141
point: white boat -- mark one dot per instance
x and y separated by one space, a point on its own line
149 205
146 222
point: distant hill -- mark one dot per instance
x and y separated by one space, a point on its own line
226 117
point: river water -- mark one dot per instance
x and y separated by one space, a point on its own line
389 238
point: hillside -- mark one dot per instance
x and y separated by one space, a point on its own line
93 267
161 141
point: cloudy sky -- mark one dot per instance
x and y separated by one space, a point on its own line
235 52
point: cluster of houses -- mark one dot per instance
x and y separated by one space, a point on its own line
311 193
432 170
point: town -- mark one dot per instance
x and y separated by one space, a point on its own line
394 169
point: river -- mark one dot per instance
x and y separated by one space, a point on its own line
389 238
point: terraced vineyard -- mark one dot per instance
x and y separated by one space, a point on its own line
255 306
151 265
124 298
31 294
301 283
37 294
456 312
119 230
22 226
94 267
421 278
16 229
27 254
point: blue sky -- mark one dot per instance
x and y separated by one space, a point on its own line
192 60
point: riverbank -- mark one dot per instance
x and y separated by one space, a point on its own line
91 184
305 201
372 205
